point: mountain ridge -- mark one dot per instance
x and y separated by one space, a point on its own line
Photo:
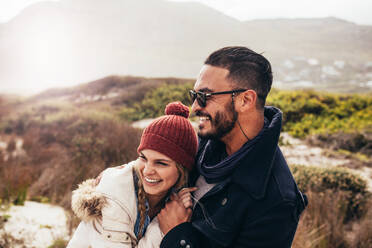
72 41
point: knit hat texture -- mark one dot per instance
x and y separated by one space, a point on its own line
172 135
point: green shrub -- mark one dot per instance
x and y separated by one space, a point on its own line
155 101
5 217
308 112
58 243
21 197
41 199
67 151
318 179
15 180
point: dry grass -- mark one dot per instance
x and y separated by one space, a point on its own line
15 177
363 234
323 224
63 153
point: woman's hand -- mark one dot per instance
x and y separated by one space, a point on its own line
184 196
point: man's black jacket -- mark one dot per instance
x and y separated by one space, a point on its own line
259 205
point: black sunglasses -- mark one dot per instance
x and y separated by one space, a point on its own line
202 97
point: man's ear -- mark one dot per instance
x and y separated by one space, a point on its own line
248 100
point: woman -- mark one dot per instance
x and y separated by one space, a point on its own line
121 210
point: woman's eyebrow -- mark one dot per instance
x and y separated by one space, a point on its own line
162 160
157 160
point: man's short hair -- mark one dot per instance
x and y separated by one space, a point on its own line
247 69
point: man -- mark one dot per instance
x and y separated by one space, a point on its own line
246 195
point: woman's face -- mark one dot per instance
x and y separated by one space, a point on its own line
157 171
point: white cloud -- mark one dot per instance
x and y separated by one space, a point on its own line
10 8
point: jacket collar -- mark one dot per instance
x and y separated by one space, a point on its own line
254 170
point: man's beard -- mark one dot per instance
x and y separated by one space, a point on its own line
222 123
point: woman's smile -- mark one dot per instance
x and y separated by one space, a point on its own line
158 172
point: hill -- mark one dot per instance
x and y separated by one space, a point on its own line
51 142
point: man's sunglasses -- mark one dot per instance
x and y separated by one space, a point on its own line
202 97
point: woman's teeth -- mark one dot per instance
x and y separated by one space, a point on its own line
149 180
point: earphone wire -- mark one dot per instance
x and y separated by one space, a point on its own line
241 129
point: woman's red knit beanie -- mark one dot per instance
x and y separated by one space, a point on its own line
172 135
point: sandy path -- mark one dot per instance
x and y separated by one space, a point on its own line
298 152
36 223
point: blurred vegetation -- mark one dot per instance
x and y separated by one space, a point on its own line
335 179
338 121
154 102
309 112
338 199
58 243
304 112
66 142
61 154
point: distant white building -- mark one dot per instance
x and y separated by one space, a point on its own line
330 70
369 64
304 83
313 61
289 64
339 64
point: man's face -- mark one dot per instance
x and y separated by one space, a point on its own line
218 117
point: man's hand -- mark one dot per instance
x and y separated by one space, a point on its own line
173 214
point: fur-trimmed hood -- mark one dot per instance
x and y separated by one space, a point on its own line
109 212
87 202
115 188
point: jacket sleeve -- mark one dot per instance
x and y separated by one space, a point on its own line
183 235
152 237
117 228
79 239
114 232
274 229
86 236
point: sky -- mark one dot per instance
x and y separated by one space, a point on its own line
357 11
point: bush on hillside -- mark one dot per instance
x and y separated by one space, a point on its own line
155 101
63 153
363 236
320 180
322 223
309 112
59 243
89 147
17 126
305 113
15 176
352 142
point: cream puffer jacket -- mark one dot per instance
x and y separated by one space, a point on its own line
108 212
